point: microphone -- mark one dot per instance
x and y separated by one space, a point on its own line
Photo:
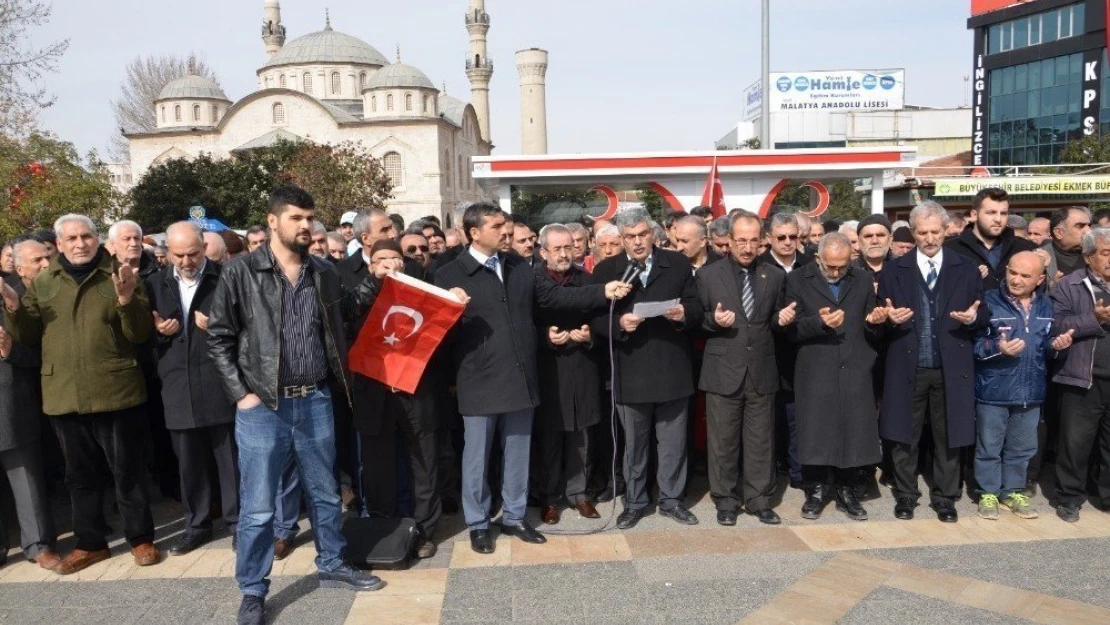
632 271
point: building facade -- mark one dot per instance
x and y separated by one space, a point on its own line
1039 79
331 87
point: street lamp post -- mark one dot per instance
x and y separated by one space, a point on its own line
765 79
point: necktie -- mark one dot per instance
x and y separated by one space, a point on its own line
748 295
931 279
491 264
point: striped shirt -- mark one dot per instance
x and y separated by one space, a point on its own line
303 356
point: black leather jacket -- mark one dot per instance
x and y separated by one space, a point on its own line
244 325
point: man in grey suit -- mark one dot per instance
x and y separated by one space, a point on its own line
20 428
742 297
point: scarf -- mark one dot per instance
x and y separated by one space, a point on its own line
81 272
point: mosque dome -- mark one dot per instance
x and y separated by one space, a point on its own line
192 87
327 46
399 75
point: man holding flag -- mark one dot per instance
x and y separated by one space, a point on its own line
494 353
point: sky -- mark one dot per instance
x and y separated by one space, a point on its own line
624 75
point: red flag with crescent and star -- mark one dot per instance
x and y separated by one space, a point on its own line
714 194
405 326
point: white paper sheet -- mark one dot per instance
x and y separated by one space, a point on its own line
653 309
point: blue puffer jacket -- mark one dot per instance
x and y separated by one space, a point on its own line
1020 380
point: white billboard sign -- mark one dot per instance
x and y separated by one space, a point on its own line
838 90
753 101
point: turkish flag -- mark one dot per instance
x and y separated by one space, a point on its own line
406 325
714 194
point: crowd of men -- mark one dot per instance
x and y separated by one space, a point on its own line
589 363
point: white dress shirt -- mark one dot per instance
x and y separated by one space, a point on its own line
923 263
482 258
188 291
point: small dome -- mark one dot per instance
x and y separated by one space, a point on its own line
327 46
399 75
192 87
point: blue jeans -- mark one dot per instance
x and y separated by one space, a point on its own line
288 505
301 430
515 434
1006 441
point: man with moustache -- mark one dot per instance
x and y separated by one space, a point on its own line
319 245
416 248
1038 230
934 299
256 237
201 422
275 334
570 400
741 299
524 242
874 241
581 237
650 396
987 240
692 239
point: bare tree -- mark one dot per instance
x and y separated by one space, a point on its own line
134 109
23 65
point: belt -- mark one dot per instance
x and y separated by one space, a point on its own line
295 392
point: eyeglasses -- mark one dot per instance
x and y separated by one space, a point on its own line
783 237
412 249
742 243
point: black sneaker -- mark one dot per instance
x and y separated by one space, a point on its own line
347 576
251 611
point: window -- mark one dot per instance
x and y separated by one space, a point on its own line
1033 110
281 81
306 82
373 104
391 162
1033 30
389 102
196 112
279 113
427 105
215 114
177 113
408 101
163 113
335 83
362 80
447 168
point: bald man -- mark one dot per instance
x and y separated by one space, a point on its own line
1011 382
201 422
215 248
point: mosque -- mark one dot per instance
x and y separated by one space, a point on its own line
330 87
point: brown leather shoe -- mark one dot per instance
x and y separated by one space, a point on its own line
587 510
79 560
282 548
146 554
550 515
426 549
48 559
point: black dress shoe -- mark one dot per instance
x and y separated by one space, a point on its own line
726 517
817 497
481 541
189 542
629 518
679 513
347 576
847 503
1068 513
904 508
525 532
946 512
767 515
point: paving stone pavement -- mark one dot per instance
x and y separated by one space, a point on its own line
825 571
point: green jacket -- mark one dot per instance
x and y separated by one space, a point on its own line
89 342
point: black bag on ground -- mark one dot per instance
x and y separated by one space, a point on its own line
381 543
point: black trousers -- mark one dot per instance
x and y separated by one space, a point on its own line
403 413
196 450
814 475
564 463
744 418
88 440
161 448
928 407
1084 428
607 450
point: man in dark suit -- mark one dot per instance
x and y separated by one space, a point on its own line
570 399
741 298
987 241
494 352
785 251
201 422
648 394
933 299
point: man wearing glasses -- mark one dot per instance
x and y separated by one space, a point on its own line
416 247
741 298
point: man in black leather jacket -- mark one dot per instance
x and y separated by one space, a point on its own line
276 337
